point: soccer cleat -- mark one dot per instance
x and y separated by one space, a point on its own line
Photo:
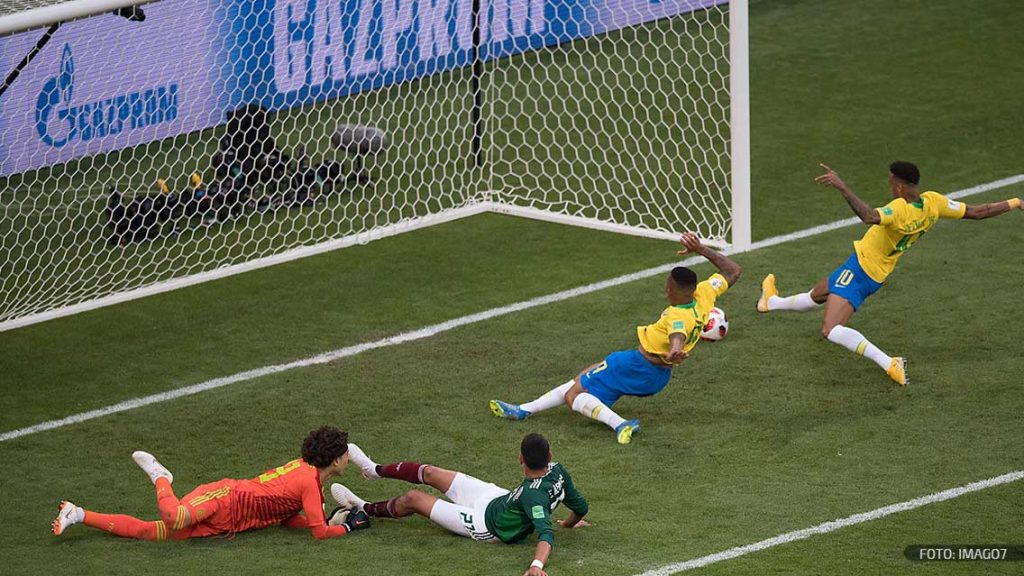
67 516
624 432
510 411
898 371
363 462
346 498
150 466
768 290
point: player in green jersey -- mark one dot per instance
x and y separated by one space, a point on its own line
479 510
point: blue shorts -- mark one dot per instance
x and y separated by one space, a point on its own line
852 283
625 373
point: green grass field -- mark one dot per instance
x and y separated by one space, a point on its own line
768 432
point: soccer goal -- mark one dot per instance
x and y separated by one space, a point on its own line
150 146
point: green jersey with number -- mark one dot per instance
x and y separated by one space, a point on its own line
527 508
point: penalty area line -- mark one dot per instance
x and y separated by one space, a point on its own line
435 329
834 525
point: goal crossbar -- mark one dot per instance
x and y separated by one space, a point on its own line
43 16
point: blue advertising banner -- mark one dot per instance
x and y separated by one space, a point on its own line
105 84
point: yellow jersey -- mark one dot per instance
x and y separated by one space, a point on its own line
688 319
902 224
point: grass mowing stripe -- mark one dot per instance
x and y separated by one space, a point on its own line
340 352
827 527
444 326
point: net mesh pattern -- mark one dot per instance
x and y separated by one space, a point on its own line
218 132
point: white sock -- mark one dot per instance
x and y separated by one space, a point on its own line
798 303
365 464
856 342
551 399
591 407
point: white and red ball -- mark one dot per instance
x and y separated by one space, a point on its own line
716 327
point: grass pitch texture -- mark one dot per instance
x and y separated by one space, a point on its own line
770 431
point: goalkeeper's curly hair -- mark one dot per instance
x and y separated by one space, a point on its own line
324 445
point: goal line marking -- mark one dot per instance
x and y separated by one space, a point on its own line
834 525
435 329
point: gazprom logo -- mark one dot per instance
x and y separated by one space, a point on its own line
59 121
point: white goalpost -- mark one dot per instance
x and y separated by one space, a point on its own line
189 140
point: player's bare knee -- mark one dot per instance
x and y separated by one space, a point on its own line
826 329
416 501
572 393
404 502
570 397
819 292
432 475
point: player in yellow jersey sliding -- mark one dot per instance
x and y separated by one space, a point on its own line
894 228
646 369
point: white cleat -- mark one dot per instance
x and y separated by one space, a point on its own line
346 498
150 466
68 516
360 459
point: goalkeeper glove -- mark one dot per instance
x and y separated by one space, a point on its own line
351 519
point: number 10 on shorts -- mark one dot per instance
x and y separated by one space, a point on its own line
845 277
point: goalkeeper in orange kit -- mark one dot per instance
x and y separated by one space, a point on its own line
290 495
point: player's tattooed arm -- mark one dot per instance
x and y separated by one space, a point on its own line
540 558
729 269
983 211
862 209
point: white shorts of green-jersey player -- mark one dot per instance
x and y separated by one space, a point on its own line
477 509
466 514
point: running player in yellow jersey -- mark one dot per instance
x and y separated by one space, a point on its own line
894 228
646 369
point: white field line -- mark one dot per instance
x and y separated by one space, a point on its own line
438 328
339 353
225 271
835 524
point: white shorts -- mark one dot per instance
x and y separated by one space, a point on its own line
464 515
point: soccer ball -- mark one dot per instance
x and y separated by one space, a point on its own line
717 326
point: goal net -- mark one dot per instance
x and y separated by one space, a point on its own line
217 136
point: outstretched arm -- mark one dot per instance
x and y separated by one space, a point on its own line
866 213
982 211
728 268
540 558
676 355
312 507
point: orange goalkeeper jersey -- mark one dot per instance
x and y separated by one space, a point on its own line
277 496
